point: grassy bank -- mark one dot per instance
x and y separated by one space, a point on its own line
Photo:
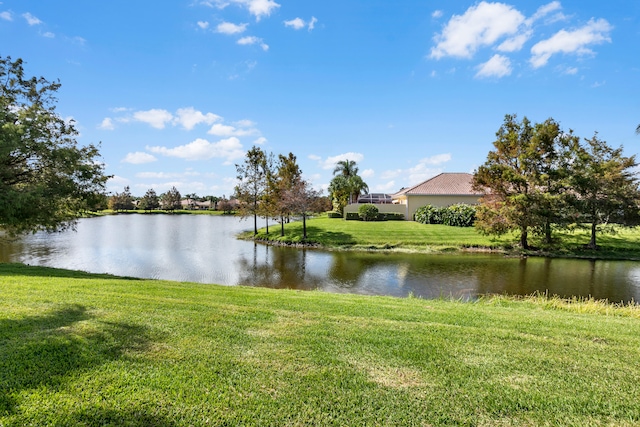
80 349
334 233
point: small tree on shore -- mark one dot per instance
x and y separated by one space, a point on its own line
170 200
149 201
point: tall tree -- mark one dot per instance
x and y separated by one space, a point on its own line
149 201
346 185
121 201
46 179
301 199
251 184
605 185
170 200
287 177
519 179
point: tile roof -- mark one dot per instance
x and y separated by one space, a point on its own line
444 184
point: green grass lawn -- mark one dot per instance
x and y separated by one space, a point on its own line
89 350
337 233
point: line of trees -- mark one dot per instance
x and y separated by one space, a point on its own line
539 177
274 189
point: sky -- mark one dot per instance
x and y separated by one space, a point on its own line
176 92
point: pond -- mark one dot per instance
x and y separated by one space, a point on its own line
203 248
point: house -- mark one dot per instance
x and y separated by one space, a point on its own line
191 204
442 190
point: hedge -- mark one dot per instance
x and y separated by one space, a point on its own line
458 215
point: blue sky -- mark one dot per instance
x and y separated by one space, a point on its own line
177 92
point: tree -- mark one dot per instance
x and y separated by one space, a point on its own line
301 199
605 186
121 201
347 185
46 179
288 174
251 184
170 200
522 178
149 201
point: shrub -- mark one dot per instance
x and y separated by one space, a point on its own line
352 216
368 212
394 216
429 214
458 215
334 214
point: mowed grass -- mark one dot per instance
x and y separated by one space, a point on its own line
87 350
623 243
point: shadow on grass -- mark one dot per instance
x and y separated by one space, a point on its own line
327 237
41 351
17 269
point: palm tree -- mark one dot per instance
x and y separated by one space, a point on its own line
638 130
347 185
346 168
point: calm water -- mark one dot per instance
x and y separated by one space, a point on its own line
202 248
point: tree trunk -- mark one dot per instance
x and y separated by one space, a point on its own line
547 232
523 239
255 224
304 226
267 219
592 242
281 226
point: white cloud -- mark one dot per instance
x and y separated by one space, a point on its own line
189 117
203 25
497 66
260 141
6 15
201 149
571 42
437 14
389 187
312 24
545 10
367 173
230 28
481 25
226 130
245 123
107 124
571 71
330 162
259 8
420 172
48 35
296 23
139 158
299 23
156 118
250 40
314 157
438 159
31 20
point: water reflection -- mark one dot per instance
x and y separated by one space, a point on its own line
204 249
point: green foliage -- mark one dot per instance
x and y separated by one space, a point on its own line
170 200
428 214
394 216
149 201
334 214
121 201
352 216
458 215
46 180
252 184
347 185
368 212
